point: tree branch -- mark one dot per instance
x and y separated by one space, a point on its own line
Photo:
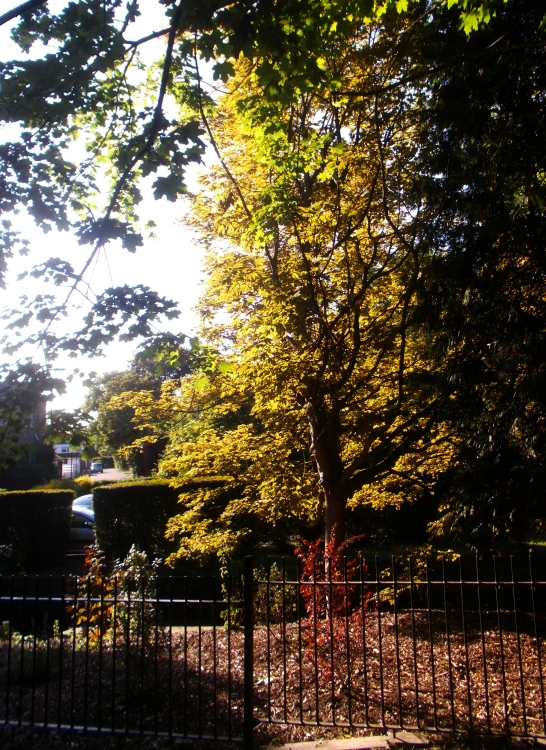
213 141
20 10
153 35
141 153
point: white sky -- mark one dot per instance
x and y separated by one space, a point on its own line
170 264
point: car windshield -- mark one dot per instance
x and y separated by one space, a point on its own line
85 501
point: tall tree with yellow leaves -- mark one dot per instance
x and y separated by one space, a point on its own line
314 258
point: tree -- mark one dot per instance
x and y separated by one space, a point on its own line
314 262
25 460
91 82
23 398
114 430
328 98
483 167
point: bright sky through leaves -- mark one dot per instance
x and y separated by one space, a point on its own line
170 263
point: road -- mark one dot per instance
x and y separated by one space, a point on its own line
112 475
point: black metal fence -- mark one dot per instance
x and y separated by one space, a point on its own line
448 646
97 657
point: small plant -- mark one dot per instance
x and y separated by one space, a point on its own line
335 601
330 591
277 601
135 576
120 599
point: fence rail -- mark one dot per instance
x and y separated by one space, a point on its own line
447 646
127 663
433 649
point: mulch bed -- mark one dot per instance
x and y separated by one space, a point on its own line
366 673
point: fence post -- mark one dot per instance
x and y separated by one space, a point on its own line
248 626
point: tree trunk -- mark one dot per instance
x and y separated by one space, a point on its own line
334 518
325 448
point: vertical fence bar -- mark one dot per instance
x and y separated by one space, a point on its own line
347 642
214 665
127 659
431 644
315 639
380 642
330 613
10 646
34 643
518 644
482 637
248 626
300 654
170 659
448 646
497 586
199 661
22 665
283 636
114 646
185 652
61 654
48 650
363 607
143 637
414 643
268 631
156 659
102 626
73 665
86 628
397 642
229 678
466 653
537 640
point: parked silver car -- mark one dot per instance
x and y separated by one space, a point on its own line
85 503
82 528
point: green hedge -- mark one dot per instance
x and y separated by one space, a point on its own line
128 513
35 526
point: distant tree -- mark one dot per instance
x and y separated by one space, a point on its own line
23 397
161 359
24 458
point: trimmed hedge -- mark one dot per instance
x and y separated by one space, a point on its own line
128 513
35 526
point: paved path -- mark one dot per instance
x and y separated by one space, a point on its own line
113 475
396 739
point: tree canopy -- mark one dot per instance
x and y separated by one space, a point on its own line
375 226
142 122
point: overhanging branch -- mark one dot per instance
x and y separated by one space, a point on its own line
20 9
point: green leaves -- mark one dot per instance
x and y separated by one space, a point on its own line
170 187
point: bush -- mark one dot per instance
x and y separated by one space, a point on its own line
131 514
80 486
84 485
35 526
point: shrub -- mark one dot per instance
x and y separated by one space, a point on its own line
84 485
35 526
131 514
135 513
133 577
